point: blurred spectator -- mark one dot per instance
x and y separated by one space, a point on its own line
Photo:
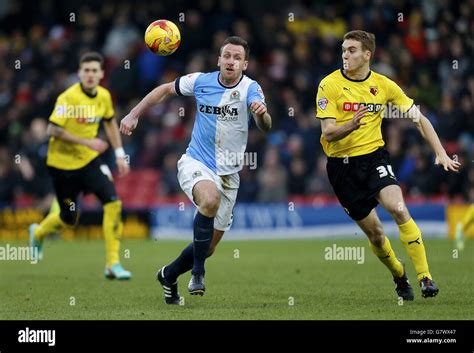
317 182
169 182
120 38
272 178
32 164
248 189
8 178
293 46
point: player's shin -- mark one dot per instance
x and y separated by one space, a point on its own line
182 264
410 235
468 219
387 256
112 227
54 207
203 230
51 224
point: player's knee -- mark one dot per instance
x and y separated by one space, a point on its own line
113 207
376 235
378 240
399 212
211 251
70 217
209 204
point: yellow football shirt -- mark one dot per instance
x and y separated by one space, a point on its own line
80 114
339 97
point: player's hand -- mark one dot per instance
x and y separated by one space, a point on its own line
122 166
356 123
447 163
128 124
97 145
258 108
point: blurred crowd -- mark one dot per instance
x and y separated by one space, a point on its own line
425 46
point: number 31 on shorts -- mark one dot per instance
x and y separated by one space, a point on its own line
383 171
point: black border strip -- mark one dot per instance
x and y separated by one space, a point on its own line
241 336
229 87
176 86
87 93
350 79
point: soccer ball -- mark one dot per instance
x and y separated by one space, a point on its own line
162 37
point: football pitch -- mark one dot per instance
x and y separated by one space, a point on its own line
251 280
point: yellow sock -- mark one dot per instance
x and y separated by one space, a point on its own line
410 235
468 218
51 224
54 206
112 226
386 254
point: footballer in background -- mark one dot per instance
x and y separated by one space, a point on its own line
463 226
74 162
350 105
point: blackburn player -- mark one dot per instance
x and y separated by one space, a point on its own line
224 100
350 103
74 163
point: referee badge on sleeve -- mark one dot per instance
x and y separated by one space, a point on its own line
322 103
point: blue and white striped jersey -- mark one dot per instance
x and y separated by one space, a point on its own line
220 131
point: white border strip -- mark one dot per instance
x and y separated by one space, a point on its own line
430 229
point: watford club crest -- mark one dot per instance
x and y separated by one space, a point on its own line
374 90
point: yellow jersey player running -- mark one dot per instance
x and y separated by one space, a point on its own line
74 163
350 104
463 226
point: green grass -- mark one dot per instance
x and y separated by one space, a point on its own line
257 285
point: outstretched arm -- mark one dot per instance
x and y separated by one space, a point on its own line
112 131
60 133
333 132
159 94
429 134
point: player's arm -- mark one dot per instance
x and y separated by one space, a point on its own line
59 132
159 94
258 108
326 112
261 116
429 134
113 134
333 132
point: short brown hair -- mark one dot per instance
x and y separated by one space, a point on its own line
236 41
92 56
365 38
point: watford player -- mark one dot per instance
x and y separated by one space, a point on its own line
74 163
463 226
350 104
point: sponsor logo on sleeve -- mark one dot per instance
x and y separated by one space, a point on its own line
322 103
